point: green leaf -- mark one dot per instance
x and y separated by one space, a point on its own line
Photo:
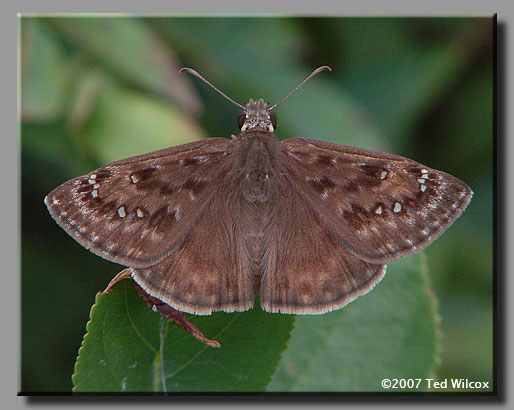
131 50
127 123
44 71
390 333
129 348
399 76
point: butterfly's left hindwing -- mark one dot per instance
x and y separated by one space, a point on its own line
210 271
381 207
138 210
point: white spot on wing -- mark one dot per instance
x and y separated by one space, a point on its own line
139 213
423 188
96 186
424 175
92 181
378 211
202 158
421 180
121 212
94 194
397 207
134 179
383 174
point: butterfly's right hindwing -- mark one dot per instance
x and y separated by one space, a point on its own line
306 270
138 210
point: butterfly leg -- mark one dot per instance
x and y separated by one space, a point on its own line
176 316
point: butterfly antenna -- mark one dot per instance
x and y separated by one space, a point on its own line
196 74
315 72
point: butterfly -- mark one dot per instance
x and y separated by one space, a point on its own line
208 225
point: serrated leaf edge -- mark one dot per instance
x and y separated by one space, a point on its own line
74 376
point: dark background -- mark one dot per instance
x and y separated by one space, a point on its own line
97 90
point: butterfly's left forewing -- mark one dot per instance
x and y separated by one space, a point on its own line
139 210
381 207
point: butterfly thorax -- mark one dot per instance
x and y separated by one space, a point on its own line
256 166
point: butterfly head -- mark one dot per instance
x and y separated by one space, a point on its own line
257 117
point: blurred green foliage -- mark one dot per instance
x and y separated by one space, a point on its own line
97 90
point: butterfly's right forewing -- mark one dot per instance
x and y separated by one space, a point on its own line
381 207
139 210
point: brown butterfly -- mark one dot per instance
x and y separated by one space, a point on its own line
206 226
